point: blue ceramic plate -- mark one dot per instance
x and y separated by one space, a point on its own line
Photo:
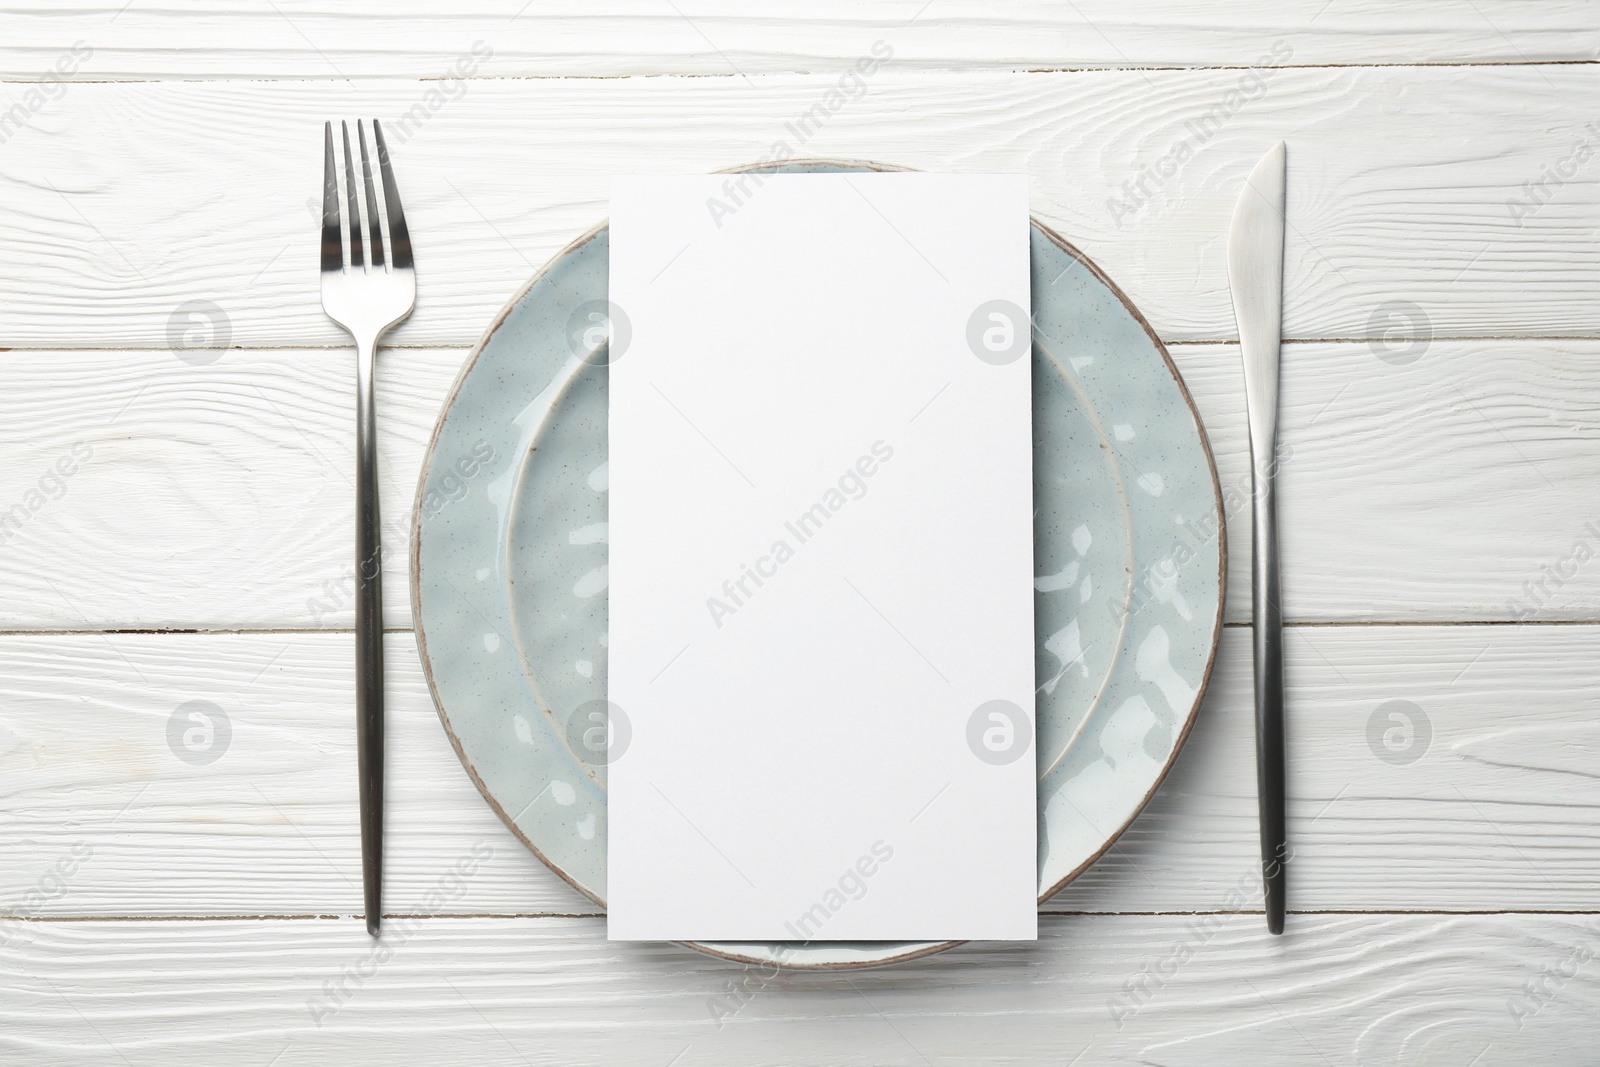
509 570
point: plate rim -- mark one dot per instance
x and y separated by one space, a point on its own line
1222 556
719 949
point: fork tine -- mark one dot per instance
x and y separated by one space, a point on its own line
332 239
399 234
356 258
375 244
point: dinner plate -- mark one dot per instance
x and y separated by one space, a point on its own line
508 569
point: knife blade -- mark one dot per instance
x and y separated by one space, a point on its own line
1255 276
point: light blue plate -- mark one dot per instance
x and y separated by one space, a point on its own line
508 576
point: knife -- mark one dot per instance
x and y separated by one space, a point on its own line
1255 275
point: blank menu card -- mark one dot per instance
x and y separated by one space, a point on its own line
821 598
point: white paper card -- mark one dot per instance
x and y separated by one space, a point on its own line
821 569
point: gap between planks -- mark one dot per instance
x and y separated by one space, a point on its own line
1288 624
467 347
1108 69
1044 913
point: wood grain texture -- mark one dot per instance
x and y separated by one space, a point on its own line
1482 797
128 201
1174 991
300 38
1456 487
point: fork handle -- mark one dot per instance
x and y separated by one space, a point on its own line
369 637
1267 626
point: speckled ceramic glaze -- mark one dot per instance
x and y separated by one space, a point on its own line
509 571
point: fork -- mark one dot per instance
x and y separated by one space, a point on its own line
366 291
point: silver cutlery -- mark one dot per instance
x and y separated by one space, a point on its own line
368 285
1255 275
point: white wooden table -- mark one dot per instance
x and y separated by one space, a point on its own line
176 466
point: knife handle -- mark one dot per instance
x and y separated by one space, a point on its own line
369 638
1267 616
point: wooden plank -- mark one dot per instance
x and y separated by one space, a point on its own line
1171 991
1481 796
128 202
220 495
298 38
